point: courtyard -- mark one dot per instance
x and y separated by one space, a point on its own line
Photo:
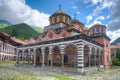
8 71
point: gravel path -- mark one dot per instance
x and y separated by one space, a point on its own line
24 72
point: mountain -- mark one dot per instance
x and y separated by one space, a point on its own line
3 25
21 31
5 22
116 41
38 29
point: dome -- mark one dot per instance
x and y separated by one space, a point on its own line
60 16
60 12
76 21
98 25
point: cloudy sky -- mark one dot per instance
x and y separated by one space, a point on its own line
90 12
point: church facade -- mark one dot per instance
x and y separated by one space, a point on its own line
67 42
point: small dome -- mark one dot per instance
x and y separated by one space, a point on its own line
98 25
76 21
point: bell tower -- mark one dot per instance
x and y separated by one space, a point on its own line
98 34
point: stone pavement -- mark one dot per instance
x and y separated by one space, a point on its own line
41 73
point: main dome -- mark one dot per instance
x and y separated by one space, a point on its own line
60 12
60 16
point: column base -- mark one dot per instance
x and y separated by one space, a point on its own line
81 70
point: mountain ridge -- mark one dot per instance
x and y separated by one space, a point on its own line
21 31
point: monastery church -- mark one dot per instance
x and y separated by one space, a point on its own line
66 42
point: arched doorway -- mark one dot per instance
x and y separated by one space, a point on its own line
86 55
27 56
20 56
57 61
47 59
70 56
39 57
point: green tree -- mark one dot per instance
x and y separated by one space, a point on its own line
118 54
14 33
116 60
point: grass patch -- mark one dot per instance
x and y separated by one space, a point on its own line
93 73
6 62
60 77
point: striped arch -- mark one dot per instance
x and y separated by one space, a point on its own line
71 55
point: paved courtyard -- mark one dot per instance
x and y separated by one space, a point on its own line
24 72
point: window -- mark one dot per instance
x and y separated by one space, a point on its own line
61 18
97 30
102 30
64 35
55 19
66 19
50 35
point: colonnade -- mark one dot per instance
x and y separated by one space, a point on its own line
7 51
81 55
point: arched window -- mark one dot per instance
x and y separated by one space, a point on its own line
66 19
50 35
97 30
55 19
60 18
102 30
63 35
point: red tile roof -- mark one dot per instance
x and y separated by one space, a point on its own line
115 46
17 40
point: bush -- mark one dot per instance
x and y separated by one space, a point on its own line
116 62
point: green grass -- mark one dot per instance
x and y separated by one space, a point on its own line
60 77
6 62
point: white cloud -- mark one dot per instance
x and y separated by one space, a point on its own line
103 4
96 1
77 12
74 7
113 35
16 11
100 18
94 22
89 18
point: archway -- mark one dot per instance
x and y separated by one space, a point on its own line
27 56
56 56
70 56
47 60
20 56
38 57
86 55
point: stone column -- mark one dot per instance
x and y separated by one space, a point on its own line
62 54
2 47
80 58
28 56
43 55
23 56
51 55
99 57
17 57
34 52
95 57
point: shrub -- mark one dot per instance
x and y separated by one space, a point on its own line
116 62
